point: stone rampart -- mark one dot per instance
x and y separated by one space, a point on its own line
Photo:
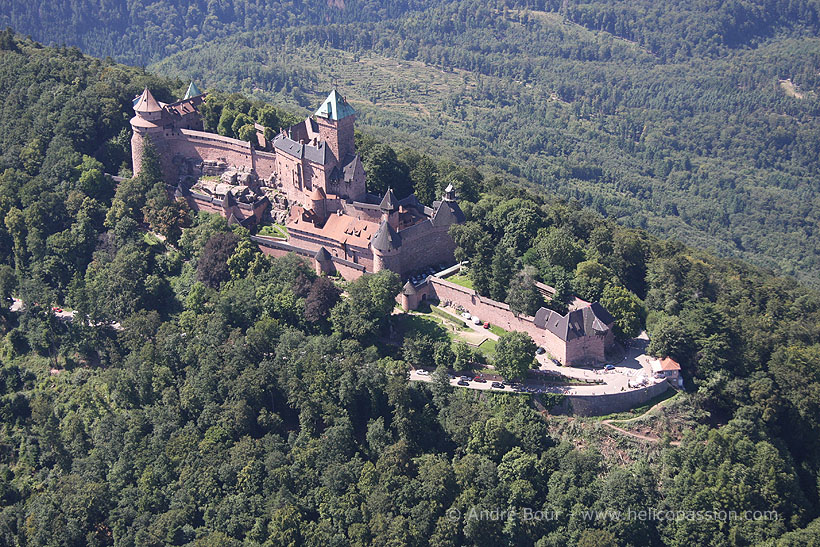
348 270
276 248
580 350
425 245
608 403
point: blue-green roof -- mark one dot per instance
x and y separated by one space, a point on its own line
193 91
335 107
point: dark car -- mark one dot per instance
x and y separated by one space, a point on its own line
540 351
463 382
498 385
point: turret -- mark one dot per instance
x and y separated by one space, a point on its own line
318 204
390 209
147 107
449 193
409 297
385 246
324 262
193 91
148 115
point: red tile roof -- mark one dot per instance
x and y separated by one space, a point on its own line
667 363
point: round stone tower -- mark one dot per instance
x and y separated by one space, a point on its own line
318 204
386 245
144 124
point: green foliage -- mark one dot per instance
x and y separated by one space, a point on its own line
523 296
627 310
384 171
212 267
367 309
514 355
225 415
591 279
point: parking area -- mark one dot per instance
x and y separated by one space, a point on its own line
633 372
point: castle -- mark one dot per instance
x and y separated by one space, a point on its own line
314 170
312 174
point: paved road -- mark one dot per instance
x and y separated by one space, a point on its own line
634 366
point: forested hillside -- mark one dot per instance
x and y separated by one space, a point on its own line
691 119
204 394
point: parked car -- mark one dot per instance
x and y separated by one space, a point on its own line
475 320
422 372
498 385
480 380
486 325
463 382
609 367
540 351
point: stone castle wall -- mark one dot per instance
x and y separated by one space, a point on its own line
580 350
602 404
425 245
348 270
201 146
276 248
265 164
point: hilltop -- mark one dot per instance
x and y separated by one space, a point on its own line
670 117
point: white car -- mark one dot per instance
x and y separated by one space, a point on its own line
475 320
422 372
465 315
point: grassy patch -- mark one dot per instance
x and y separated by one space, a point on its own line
408 324
487 347
449 317
498 331
461 279
151 239
274 230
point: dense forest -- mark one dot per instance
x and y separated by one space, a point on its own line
205 394
691 119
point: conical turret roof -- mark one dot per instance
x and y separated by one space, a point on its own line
386 238
322 255
389 201
317 194
146 103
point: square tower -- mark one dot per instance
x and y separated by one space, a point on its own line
335 119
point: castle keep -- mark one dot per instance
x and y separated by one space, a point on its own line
313 171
